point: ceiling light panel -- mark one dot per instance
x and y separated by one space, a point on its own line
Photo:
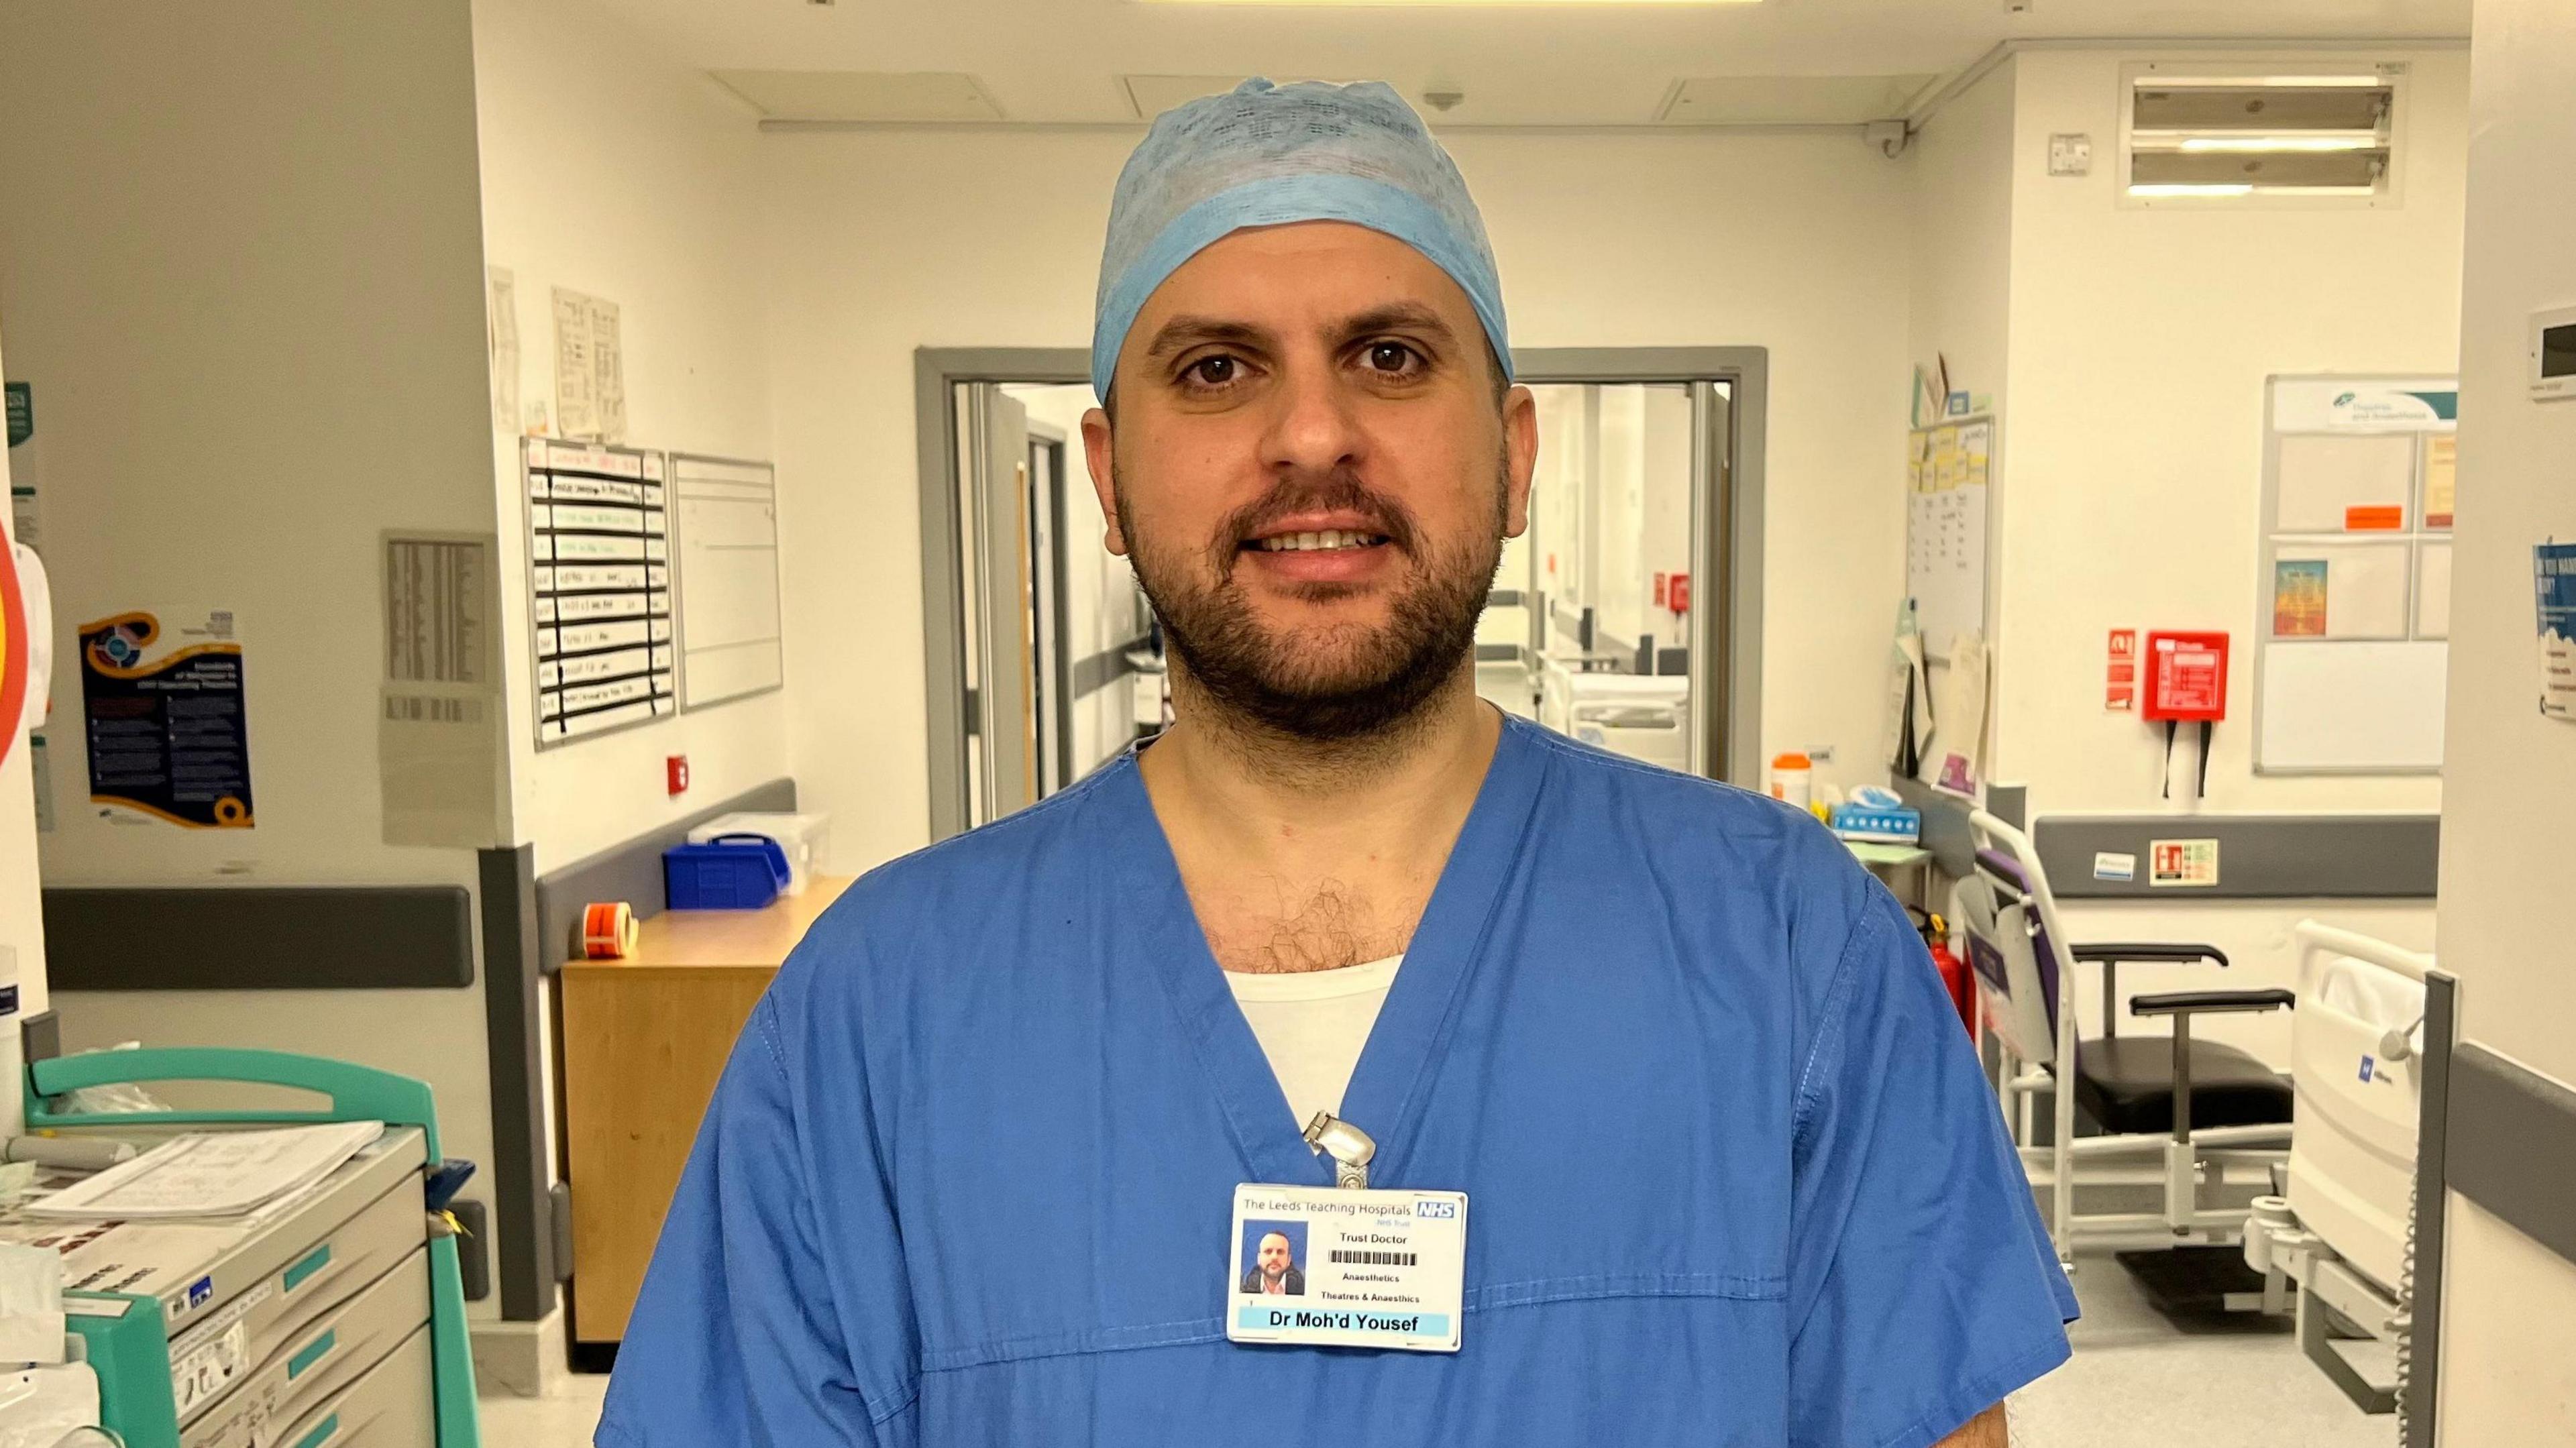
860 95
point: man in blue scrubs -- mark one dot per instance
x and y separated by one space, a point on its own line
1735 1176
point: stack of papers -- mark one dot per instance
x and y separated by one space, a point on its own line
212 1174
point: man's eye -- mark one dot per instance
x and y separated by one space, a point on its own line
1392 357
1210 371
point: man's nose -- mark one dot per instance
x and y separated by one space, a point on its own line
1314 428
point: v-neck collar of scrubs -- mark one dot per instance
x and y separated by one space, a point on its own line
1385 1094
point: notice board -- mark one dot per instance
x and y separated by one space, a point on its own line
1949 469
2360 476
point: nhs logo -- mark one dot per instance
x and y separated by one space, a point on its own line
2368 1067
1436 1211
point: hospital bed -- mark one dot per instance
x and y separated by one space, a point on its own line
2182 1115
2343 1232
332 1319
1643 716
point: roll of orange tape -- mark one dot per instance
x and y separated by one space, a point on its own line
608 930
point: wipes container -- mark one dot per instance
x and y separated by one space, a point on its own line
803 836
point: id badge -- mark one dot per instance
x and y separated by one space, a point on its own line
1334 1267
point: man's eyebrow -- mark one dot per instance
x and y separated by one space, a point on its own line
1186 331
1399 317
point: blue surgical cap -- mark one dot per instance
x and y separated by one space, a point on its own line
1267 155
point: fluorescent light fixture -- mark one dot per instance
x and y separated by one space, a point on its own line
2351 142
2179 189
2247 82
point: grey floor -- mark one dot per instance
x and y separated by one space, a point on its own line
562 1419
2138 1380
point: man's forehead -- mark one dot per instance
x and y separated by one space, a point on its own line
1308 274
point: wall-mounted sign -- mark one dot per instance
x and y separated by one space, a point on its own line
169 733
2553 567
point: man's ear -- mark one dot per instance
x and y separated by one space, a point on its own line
1520 458
1104 474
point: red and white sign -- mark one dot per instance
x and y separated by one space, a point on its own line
2120 673
2186 677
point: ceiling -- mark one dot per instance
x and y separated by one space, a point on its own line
1071 61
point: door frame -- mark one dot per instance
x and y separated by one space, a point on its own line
1726 671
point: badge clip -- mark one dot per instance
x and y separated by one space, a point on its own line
1348 1146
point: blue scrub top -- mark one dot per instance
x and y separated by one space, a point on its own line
1735 1176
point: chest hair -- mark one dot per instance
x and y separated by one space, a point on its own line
1284 929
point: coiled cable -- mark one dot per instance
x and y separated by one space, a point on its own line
2402 1325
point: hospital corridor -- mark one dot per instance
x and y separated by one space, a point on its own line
862 724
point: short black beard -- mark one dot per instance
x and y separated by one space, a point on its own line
1266 681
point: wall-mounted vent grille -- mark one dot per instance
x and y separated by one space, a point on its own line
2195 135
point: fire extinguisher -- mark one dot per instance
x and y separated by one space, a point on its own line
1954 974
1954 971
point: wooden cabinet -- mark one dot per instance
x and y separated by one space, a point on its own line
644 1041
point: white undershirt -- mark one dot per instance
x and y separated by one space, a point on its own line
1312 1024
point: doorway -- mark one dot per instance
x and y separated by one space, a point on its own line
1628 616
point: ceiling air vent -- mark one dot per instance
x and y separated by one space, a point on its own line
2193 134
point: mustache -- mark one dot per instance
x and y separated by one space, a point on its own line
1340 491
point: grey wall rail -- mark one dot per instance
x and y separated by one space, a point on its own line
2510 1145
2260 857
259 937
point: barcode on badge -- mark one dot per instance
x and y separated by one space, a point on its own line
1374 1259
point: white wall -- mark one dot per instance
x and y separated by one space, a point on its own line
2136 344
1960 295
1961 171
240 261
2139 345
607 169
2509 1307
887 241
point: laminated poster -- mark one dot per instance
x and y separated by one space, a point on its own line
2553 567
2441 479
26 522
169 739
2299 598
